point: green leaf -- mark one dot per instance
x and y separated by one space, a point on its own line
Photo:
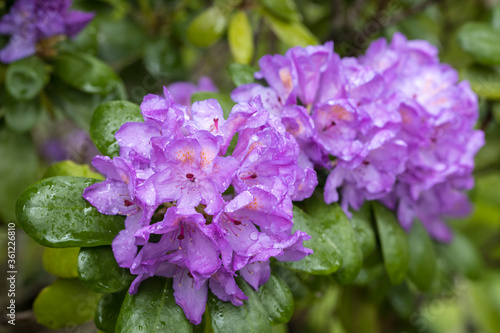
485 81
291 33
77 105
21 116
495 18
107 119
161 58
70 168
26 78
361 223
277 300
65 303
241 74
61 262
99 271
86 73
356 313
342 235
19 168
402 300
152 309
224 100
250 317
285 10
326 258
106 313
482 41
120 40
485 302
54 213
423 264
463 256
207 27
394 243
240 37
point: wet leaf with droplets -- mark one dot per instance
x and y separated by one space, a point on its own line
107 119
152 310
326 258
252 316
54 213
99 271
277 300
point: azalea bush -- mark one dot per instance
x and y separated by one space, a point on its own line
240 175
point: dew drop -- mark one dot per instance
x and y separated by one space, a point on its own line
254 236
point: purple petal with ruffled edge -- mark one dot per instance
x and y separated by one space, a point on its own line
256 274
192 300
223 286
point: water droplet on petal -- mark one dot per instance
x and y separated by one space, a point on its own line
254 236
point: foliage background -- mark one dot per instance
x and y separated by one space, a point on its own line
153 43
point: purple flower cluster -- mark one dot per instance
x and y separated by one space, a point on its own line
32 21
393 125
195 212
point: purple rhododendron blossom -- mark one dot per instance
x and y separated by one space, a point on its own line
394 125
195 213
31 21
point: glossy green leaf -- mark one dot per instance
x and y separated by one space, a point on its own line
361 223
108 308
107 119
394 243
86 73
463 256
54 213
161 58
327 257
207 27
482 41
99 271
21 116
423 264
342 235
61 262
152 310
19 167
277 300
285 10
224 100
484 81
25 78
291 33
65 303
250 317
70 168
240 37
241 74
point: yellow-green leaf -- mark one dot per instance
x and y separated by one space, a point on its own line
291 33
65 303
61 262
241 38
207 27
